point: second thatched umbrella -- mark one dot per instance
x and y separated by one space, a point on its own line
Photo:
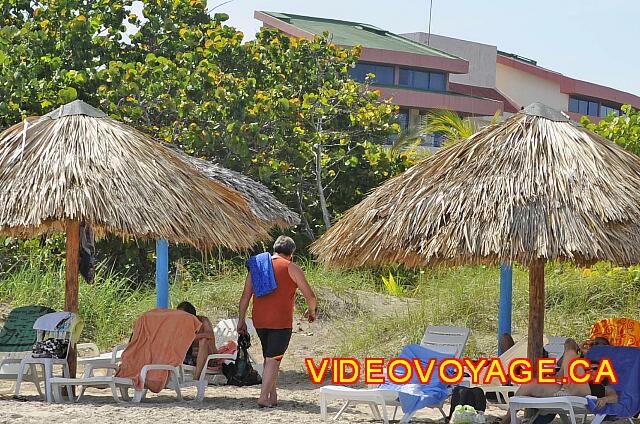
77 164
262 202
534 188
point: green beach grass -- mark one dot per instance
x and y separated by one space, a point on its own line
575 298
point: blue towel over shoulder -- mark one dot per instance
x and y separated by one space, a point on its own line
261 270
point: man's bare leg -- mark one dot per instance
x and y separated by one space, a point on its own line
269 378
273 395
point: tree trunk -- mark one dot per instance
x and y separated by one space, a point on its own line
536 310
303 219
323 201
71 282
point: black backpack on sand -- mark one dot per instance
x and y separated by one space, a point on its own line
241 372
468 396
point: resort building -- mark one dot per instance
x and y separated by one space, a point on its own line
521 81
469 78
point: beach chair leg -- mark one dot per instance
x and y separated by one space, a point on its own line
124 392
442 412
57 393
395 411
599 419
20 378
407 417
385 414
48 375
67 374
35 379
341 410
375 411
514 416
323 407
572 416
139 395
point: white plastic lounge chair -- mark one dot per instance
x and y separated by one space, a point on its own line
226 330
97 361
45 326
89 354
570 406
16 341
119 384
444 339
555 346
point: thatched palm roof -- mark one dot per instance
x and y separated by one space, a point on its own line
536 186
76 163
262 202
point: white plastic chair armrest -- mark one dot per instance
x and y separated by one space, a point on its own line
157 367
229 356
90 347
116 349
88 370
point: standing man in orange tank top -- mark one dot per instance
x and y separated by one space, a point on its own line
273 314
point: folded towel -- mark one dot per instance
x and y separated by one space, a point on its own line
626 364
261 271
413 395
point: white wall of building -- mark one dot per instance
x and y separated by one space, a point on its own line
481 58
524 88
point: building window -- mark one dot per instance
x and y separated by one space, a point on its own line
605 110
422 80
383 74
403 119
591 107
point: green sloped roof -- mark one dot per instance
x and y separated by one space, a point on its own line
347 33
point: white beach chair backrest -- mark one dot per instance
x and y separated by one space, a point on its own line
446 339
227 329
555 346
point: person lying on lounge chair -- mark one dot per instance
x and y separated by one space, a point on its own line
603 392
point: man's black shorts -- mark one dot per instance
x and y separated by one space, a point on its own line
274 341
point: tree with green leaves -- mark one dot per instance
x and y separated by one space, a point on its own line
282 110
623 130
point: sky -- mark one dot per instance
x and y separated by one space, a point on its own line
592 40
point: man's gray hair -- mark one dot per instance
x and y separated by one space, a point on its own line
284 245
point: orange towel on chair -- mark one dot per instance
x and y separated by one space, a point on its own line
618 331
161 337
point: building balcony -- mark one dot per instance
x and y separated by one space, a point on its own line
424 99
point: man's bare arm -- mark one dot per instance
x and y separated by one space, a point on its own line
297 275
244 304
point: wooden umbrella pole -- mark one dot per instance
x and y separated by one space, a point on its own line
536 310
71 282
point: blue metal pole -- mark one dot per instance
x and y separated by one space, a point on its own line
162 274
505 306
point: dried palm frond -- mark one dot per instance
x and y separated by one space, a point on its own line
262 202
536 186
76 163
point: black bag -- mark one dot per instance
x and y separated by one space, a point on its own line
467 396
240 372
50 348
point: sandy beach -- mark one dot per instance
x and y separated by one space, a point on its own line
298 399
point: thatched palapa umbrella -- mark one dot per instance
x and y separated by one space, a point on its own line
534 188
77 164
262 202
